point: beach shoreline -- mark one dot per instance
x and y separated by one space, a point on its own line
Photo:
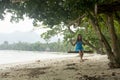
68 68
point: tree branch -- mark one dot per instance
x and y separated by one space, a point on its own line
70 30
77 21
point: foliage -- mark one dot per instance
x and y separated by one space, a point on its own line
54 47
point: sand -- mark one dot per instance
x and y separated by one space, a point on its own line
94 67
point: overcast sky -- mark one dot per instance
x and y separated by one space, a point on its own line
22 31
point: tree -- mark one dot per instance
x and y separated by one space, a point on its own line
72 12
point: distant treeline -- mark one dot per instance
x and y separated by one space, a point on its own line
53 47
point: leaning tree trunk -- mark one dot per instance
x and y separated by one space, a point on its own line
114 39
113 62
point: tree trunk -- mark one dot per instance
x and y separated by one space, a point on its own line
113 63
114 39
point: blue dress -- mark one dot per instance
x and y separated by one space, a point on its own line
79 46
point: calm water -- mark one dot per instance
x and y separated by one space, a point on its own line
23 56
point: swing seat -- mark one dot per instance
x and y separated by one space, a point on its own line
73 51
78 51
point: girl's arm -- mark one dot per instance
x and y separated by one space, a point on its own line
73 43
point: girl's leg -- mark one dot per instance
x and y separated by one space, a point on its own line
81 55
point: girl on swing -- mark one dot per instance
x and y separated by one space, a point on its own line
79 48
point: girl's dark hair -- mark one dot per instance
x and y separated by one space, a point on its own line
78 37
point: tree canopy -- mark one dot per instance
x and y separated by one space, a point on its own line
53 12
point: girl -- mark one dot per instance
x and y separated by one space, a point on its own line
79 47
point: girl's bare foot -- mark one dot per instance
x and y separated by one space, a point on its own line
81 60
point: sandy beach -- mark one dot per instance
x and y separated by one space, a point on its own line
70 68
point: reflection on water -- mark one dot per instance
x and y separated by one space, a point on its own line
22 56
